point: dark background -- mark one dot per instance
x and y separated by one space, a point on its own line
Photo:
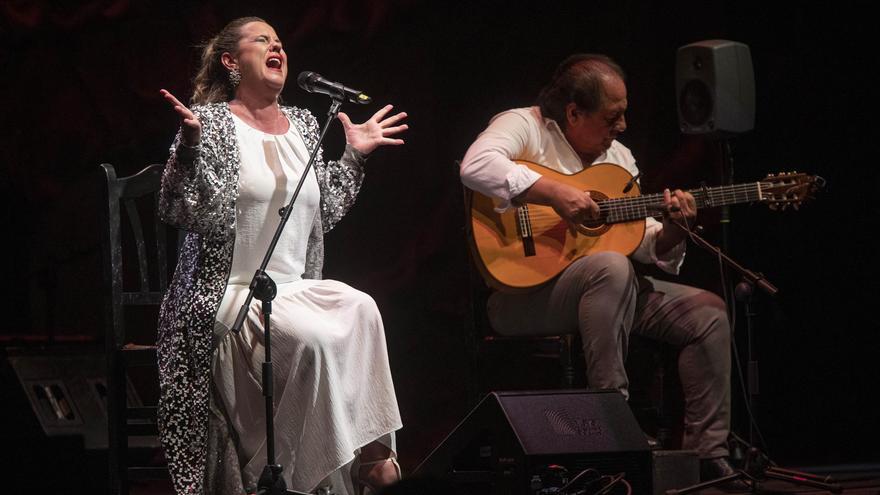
80 84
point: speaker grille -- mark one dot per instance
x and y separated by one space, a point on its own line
695 104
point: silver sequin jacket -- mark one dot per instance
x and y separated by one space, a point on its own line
199 190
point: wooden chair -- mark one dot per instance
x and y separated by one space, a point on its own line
483 339
136 268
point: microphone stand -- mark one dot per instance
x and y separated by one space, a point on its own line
262 287
750 277
743 293
758 466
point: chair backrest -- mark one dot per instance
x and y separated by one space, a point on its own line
477 322
478 291
147 255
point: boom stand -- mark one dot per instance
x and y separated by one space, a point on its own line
263 287
743 293
757 467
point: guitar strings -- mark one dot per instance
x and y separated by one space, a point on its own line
725 192
639 205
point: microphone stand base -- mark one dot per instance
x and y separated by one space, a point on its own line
272 483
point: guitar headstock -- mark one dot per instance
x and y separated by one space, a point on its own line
789 189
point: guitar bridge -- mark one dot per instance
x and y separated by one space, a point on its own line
524 225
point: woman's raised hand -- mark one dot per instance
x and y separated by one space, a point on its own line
374 132
190 127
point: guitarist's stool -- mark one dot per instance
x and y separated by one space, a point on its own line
483 341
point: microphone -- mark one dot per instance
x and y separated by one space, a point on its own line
314 83
632 181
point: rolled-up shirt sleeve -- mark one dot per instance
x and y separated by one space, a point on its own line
488 167
670 261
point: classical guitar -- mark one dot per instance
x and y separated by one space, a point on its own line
527 246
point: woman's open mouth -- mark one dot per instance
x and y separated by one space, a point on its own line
274 62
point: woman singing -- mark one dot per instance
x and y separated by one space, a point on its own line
235 162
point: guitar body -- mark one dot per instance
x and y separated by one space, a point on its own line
513 262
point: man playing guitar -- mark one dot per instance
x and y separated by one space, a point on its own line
579 115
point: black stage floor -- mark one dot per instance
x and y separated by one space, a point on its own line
853 480
33 461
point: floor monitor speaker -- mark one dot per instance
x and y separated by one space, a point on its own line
527 442
68 394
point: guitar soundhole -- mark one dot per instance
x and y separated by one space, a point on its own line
597 227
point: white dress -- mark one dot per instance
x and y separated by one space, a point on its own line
332 384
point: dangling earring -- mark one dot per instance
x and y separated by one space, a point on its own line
234 77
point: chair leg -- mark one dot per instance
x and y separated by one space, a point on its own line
117 438
566 360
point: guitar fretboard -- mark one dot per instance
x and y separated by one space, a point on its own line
618 210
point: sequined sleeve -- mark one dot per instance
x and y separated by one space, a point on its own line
194 194
343 182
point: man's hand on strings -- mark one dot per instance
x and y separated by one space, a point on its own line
374 132
573 205
680 210
680 205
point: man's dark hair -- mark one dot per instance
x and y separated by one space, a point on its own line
577 79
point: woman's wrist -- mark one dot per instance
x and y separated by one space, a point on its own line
355 154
